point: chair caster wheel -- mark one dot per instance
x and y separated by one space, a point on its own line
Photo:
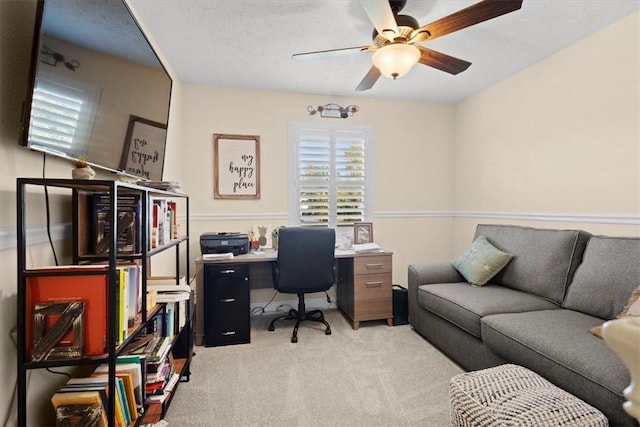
294 340
327 331
272 328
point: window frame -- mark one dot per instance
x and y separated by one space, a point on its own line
331 129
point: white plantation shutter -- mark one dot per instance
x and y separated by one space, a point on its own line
330 175
62 116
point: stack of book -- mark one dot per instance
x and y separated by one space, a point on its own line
162 185
85 400
159 369
164 222
175 293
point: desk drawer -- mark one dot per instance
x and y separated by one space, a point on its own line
226 327
372 264
373 296
225 296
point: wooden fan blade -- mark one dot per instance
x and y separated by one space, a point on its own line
330 53
370 79
472 15
441 61
381 16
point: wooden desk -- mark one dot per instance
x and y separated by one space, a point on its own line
363 286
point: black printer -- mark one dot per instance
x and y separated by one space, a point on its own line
219 243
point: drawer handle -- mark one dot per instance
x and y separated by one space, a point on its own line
373 284
372 266
227 271
227 299
228 333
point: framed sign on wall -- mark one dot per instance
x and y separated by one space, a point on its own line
236 166
143 153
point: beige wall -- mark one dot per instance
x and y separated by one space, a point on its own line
560 138
407 189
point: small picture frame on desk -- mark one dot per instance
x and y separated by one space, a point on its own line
362 232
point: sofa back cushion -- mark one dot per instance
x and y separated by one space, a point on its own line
544 260
608 275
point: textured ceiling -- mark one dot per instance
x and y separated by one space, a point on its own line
249 43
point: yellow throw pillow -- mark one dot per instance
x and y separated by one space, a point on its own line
631 309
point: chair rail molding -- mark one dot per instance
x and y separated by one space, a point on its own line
36 235
529 216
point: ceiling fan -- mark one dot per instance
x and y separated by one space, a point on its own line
395 38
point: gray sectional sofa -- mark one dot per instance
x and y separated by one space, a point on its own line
537 312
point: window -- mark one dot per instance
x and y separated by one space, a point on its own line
62 116
330 175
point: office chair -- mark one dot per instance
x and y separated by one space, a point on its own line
305 264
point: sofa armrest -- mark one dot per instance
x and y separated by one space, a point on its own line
427 273
432 272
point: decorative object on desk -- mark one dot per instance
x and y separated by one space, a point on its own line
58 331
52 58
263 234
82 169
274 235
144 145
236 166
333 111
363 232
253 240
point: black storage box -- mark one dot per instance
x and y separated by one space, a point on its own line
400 305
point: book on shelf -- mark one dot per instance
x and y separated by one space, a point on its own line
98 383
163 222
48 285
134 294
158 354
80 407
139 373
131 381
168 283
129 230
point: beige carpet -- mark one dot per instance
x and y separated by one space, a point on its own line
375 376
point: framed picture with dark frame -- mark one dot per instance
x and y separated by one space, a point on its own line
363 232
144 148
236 166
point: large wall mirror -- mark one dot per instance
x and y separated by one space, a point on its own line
92 71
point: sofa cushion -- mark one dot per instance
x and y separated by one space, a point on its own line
557 344
465 305
609 273
630 310
481 261
543 260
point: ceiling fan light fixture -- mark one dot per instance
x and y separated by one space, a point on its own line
396 59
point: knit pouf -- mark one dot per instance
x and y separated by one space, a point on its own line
510 395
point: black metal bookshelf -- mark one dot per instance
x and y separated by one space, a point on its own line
81 192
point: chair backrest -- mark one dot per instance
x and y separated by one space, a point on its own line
305 260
